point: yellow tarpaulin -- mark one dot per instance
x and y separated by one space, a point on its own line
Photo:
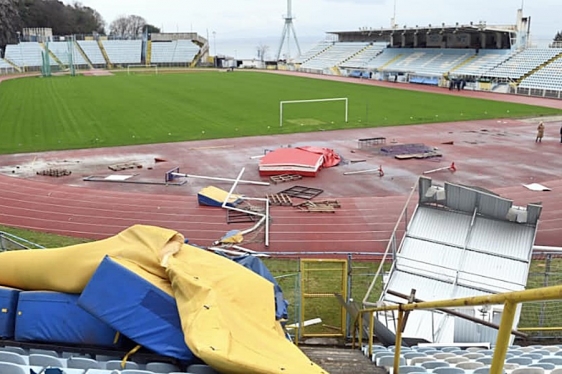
227 311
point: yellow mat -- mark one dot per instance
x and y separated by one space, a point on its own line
227 311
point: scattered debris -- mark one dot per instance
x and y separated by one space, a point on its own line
302 192
379 170
125 166
325 206
419 156
234 216
449 143
452 168
284 178
370 142
536 187
279 199
55 172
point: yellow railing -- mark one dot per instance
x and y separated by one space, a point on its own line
509 301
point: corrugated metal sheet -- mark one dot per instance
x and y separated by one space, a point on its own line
503 238
475 269
461 198
440 225
533 213
493 206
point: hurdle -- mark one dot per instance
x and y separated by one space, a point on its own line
452 168
174 173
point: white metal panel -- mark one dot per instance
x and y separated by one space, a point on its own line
503 238
461 198
440 225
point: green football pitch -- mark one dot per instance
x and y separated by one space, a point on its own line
39 114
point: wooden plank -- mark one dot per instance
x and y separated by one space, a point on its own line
284 178
279 199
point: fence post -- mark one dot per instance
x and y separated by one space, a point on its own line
349 292
548 263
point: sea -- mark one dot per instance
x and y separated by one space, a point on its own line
247 48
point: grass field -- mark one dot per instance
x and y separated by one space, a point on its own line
39 114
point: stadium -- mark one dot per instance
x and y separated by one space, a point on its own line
381 172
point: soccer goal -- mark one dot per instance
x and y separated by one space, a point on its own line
332 109
152 68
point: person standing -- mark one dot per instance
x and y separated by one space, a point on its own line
540 132
560 134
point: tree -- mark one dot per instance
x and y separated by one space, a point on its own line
127 26
262 50
558 37
10 22
151 29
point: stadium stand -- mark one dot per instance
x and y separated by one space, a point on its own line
523 62
549 77
4 65
365 56
173 52
60 50
333 56
485 60
92 51
123 51
429 61
317 49
25 54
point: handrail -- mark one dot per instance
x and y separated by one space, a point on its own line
508 299
389 246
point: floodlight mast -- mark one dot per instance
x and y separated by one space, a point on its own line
286 34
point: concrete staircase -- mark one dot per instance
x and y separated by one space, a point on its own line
468 60
531 72
203 51
148 52
342 360
84 56
398 57
19 69
104 54
53 56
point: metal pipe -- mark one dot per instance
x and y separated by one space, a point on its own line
502 341
398 341
220 179
360 171
458 314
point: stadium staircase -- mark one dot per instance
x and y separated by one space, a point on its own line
341 360
53 56
84 56
318 54
105 56
398 57
531 72
203 50
148 52
355 54
335 70
465 62
19 69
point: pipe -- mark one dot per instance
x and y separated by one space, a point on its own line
458 314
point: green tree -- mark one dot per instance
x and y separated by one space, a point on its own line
558 37
10 22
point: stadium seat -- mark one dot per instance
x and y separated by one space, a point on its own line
448 370
135 371
545 365
528 370
48 352
201 369
12 357
456 359
160 367
82 363
405 369
17 350
11 368
45 360
470 365
430 365
116 365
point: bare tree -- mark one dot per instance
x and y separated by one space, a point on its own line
262 50
127 26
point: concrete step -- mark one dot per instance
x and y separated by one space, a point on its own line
342 360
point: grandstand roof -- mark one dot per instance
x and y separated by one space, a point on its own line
429 29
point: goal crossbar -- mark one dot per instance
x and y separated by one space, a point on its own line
282 103
141 66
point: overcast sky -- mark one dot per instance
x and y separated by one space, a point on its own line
263 18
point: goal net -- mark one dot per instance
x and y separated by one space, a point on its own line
144 69
316 112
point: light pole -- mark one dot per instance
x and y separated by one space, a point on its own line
215 42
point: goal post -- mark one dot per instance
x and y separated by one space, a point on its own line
283 103
142 68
